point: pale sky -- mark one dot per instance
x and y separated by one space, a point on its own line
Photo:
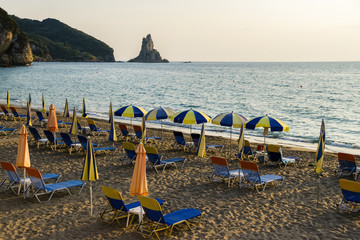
209 30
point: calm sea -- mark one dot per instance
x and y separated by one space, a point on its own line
300 94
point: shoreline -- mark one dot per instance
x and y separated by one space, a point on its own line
224 133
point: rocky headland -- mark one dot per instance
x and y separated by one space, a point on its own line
15 49
147 53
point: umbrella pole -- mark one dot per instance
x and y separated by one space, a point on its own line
55 140
161 128
91 204
24 181
318 191
230 141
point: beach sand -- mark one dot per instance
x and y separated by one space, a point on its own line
283 212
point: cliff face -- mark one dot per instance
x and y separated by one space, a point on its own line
14 46
52 40
147 53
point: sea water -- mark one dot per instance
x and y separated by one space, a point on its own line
299 94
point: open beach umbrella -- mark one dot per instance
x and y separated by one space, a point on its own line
28 114
110 112
84 114
112 133
231 120
267 122
66 109
319 156
23 156
190 117
8 99
201 151
90 172
241 141
29 99
130 111
138 184
159 114
43 104
52 124
74 127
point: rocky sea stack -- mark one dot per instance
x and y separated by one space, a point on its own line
147 53
14 46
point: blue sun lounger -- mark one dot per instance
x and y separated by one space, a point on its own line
95 129
41 188
36 135
180 140
69 143
351 196
138 133
275 157
156 159
196 139
119 209
16 181
347 165
83 141
129 152
6 131
58 141
223 173
253 179
161 222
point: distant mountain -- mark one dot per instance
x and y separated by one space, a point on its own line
52 40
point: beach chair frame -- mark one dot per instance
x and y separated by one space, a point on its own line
196 140
158 222
83 141
69 143
125 132
347 165
180 140
223 173
41 188
94 129
7 114
253 179
138 134
130 152
36 135
275 157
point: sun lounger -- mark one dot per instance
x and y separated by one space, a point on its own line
180 140
275 157
83 141
351 196
53 141
223 173
41 118
156 160
161 222
253 179
95 129
347 165
7 131
69 143
119 209
130 153
125 131
16 181
16 114
36 135
247 151
6 113
41 188
138 133
196 139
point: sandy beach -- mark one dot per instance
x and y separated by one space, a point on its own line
283 212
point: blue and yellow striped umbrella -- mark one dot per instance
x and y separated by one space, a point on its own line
190 117
229 119
28 114
8 99
130 111
319 156
84 114
66 109
43 104
74 126
159 114
90 172
112 133
274 124
29 99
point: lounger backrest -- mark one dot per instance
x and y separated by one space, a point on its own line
138 131
247 143
220 164
66 139
36 178
153 155
91 124
39 115
250 171
114 197
152 208
274 153
13 109
49 136
347 161
260 148
10 171
179 137
35 133
4 110
83 141
124 129
196 138
350 190
129 149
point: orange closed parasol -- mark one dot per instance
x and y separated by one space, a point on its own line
138 184
23 156
52 124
